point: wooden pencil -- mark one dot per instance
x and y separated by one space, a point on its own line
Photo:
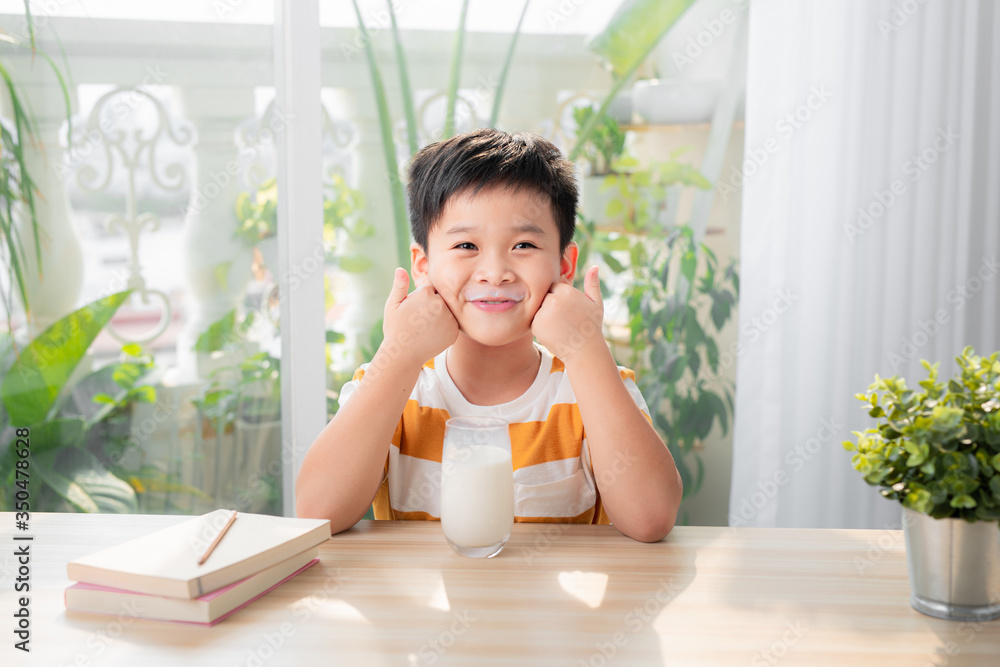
218 538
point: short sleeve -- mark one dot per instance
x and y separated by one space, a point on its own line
349 387
628 377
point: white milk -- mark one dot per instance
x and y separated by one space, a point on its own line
477 497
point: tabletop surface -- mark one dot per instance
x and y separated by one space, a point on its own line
393 593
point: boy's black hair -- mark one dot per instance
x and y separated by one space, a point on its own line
486 158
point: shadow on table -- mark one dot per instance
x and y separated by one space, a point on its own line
561 607
964 643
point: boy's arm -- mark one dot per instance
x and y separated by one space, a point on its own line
341 472
638 481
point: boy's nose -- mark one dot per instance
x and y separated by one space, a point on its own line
493 270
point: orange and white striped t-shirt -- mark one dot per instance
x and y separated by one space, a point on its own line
553 476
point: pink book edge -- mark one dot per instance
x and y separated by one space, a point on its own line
205 597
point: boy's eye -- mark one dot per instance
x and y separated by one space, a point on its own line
466 246
524 244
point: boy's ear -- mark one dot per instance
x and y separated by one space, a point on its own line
418 264
567 265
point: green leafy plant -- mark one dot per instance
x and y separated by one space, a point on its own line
605 144
135 365
226 333
936 451
84 456
257 214
76 428
250 390
673 282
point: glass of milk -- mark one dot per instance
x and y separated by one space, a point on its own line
477 486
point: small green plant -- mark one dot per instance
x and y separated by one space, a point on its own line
676 354
605 144
257 213
251 390
641 193
936 451
136 364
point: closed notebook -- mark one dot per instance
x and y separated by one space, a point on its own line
208 609
166 562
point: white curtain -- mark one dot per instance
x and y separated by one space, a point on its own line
870 234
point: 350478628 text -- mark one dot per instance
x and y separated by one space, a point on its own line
22 541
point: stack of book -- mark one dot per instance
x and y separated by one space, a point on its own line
158 576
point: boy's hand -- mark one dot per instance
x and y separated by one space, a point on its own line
568 323
418 325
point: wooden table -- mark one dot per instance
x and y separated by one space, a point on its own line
393 593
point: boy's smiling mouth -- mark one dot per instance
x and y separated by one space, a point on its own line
493 299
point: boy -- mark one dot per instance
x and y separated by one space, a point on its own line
492 215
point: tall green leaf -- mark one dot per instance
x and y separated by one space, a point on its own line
402 226
42 368
456 71
498 94
404 83
26 129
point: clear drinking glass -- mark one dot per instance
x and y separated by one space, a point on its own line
477 486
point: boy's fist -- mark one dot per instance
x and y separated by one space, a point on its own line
569 321
420 325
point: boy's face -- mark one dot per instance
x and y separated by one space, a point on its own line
493 258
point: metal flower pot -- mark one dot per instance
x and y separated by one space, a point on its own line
954 567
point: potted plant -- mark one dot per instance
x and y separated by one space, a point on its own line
937 452
599 153
241 434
